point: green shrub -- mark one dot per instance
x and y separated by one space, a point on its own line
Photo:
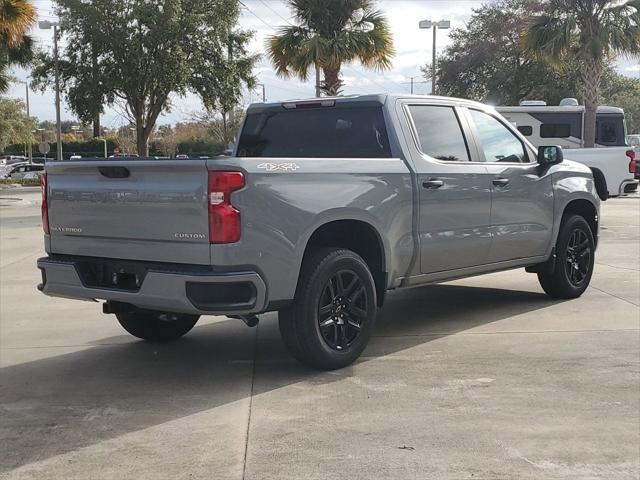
25 182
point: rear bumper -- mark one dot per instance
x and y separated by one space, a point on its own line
628 185
171 288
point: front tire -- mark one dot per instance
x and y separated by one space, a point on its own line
331 319
575 257
156 326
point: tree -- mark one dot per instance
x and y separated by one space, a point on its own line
15 126
80 81
136 53
17 17
486 61
624 92
591 32
329 33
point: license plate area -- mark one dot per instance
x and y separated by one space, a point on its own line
116 275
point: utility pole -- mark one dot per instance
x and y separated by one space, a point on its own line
264 94
230 58
411 78
317 80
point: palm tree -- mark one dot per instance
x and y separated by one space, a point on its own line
17 17
329 33
592 32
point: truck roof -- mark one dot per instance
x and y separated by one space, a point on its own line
556 109
376 98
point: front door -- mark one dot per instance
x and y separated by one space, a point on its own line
522 192
455 194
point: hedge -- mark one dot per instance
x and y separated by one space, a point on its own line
95 148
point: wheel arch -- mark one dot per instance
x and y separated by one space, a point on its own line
586 209
359 236
601 183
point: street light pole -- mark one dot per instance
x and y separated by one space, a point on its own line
442 24
433 61
46 25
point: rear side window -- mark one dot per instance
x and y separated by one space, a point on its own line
439 132
555 130
330 132
610 131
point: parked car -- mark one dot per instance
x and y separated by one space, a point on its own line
33 174
120 155
325 206
6 160
612 161
182 156
20 170
5 170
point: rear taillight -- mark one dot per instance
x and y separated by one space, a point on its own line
632 160
45 206
224 220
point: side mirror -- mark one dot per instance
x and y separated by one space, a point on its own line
550 155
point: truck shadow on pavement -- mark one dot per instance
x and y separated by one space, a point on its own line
63 403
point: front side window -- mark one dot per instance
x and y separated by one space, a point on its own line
497 142
329 132
439 132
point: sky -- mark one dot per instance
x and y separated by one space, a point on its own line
413 49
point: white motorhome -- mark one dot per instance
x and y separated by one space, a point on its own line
564 124
612 160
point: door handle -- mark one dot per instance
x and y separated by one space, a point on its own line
501 182
432 183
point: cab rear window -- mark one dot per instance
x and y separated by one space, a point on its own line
330 132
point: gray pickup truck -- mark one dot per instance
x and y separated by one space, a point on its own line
325 205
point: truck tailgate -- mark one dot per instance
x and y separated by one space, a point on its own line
152 210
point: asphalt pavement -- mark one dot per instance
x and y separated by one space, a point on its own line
479 378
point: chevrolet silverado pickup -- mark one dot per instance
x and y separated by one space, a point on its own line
324 206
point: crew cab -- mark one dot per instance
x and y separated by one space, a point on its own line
325 205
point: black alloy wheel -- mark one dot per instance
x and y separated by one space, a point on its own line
342 310
578 257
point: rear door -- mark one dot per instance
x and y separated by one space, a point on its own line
153 210
455 194
522 192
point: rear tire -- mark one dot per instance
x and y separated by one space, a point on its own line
331 319
575 256
156 326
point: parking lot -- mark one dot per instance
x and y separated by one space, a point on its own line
479 378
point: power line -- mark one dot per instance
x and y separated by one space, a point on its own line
255 15
274 11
